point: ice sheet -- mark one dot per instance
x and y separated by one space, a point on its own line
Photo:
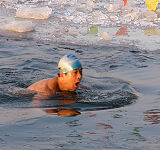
34 13
20 26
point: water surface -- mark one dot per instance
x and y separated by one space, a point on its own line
121 111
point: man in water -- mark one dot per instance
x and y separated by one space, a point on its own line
67 80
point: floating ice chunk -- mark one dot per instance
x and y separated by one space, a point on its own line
34 13
150 15
144 23
67 18
113 8
84 6
105 36
62 2
134 16
158 13
127 8
20 26
79 20
113 17
126 18
73 33
90 5
98 16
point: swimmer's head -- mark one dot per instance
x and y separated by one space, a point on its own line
68 63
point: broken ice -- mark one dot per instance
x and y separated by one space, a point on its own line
34 13
20 26
105 36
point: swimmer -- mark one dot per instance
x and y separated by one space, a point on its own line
67 80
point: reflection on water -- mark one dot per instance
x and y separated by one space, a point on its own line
63 111
122 31
102 133
105 126
138 136
152 115
71 101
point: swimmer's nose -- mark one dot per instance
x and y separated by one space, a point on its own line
79 75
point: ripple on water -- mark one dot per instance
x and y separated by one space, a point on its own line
116 94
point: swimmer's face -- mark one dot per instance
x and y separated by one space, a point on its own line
72 79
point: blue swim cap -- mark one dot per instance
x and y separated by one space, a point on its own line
68 63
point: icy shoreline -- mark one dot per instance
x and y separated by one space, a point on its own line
84 22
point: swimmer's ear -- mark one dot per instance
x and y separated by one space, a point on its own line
61 74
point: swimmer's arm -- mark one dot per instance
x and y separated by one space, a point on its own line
43 86
44 94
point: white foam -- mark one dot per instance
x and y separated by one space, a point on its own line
34 13
20 26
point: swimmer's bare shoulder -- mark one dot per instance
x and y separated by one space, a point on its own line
47 86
